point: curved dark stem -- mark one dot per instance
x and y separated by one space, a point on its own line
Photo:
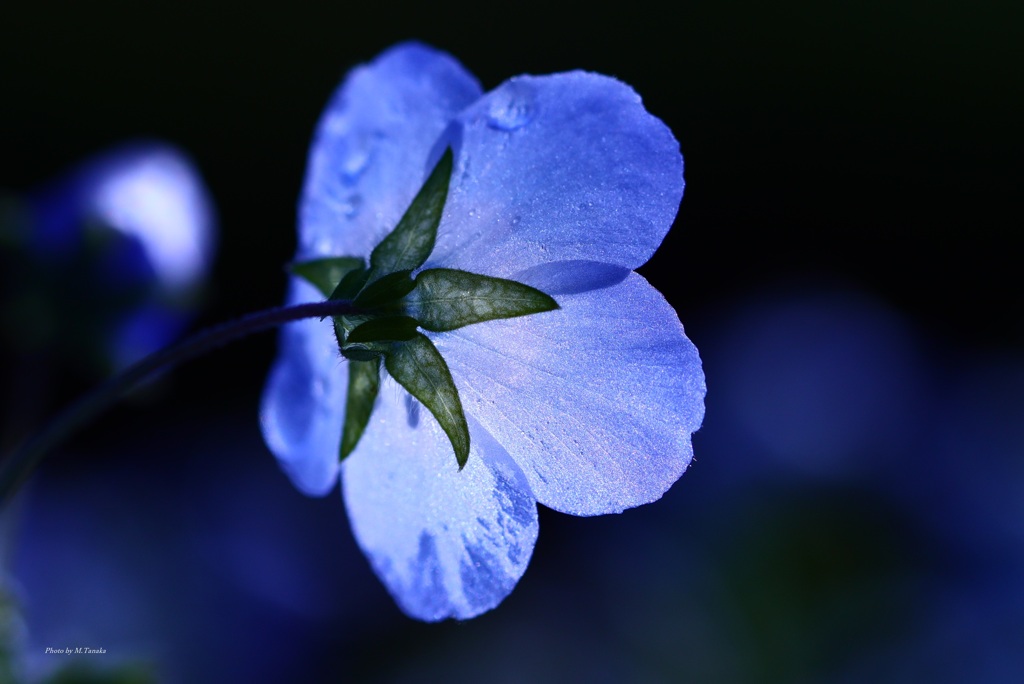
21 462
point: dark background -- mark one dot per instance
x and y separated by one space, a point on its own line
852 169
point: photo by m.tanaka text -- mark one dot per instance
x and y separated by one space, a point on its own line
75 650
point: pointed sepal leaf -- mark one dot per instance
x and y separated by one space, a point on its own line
363 352
387 328
325 274
351 284
447 299
357 351
387 289
363 385
411 242
421 370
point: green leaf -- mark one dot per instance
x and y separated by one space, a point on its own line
363 384
420 369
411 242
325 274
386 328
447 299
387 289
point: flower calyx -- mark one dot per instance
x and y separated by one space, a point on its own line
393 308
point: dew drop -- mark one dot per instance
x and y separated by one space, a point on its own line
512 107
354 161
350 206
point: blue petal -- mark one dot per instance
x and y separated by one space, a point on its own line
143 331
303 403
562 167
595 401
446 543
370 153
151 192
147 191
368 159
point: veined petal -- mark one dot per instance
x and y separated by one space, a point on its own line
370 153
595 401
446 543
563 167
302 410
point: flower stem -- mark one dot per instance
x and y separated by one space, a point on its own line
21 462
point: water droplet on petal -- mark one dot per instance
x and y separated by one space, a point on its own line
354 160
350 206
512 106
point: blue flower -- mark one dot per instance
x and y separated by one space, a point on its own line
561 182
131 232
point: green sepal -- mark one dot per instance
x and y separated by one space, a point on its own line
386 328
447 299
407 246
363 385
325 274
351 284
364 352
421 370
357 351
389 288
343 325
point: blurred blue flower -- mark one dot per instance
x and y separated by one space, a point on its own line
816 377
563 182
130 236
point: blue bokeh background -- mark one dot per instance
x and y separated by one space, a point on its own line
842 259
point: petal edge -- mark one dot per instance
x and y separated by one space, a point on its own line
563 167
